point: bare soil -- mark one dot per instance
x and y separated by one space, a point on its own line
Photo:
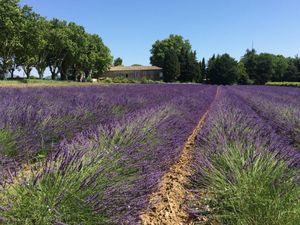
166 206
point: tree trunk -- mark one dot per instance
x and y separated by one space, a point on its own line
12 73
54 72
81 76
2 75
27 71
88 74
63 75
53 75
41 73
4 69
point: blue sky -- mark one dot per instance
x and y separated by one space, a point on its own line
130 27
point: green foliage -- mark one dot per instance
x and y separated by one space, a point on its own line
171 67
250 187
268 67
264 68
29 40
11 23
123 80
160 48
223 69
58 196
55 199
291 73
203 71
250 62
146 81
280 67
40 83
287 84
260 68
118 62
189 69
243 76
7 143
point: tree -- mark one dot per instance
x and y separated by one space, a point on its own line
249 61
41 50
280 64
297 64
223 69
264 68
10 26
76 41
202 65
189 67
118 62
75 54
243 77
161 47
56 46
32 49
291 73
31 41
98 57
171 66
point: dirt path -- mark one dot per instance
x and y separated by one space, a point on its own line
166 205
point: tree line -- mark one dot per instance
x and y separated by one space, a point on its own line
28 40
179 63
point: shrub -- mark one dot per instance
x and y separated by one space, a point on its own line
250 187
287 84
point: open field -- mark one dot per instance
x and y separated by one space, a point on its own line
150 154
40 83
59 83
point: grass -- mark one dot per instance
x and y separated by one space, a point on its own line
59 83
7 143
39 83
250 187
285 83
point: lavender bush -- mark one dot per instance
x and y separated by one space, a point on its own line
34 120
280 106
99 152
106 172
246 172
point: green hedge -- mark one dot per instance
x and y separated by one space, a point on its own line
122 80
287 84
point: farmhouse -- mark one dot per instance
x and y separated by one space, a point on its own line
135 72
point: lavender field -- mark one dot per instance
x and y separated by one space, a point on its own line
96 154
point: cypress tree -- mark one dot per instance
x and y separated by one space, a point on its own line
203 69
171 67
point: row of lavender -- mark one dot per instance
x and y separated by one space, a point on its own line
278 105
103 171
248 158
37 118
34 120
